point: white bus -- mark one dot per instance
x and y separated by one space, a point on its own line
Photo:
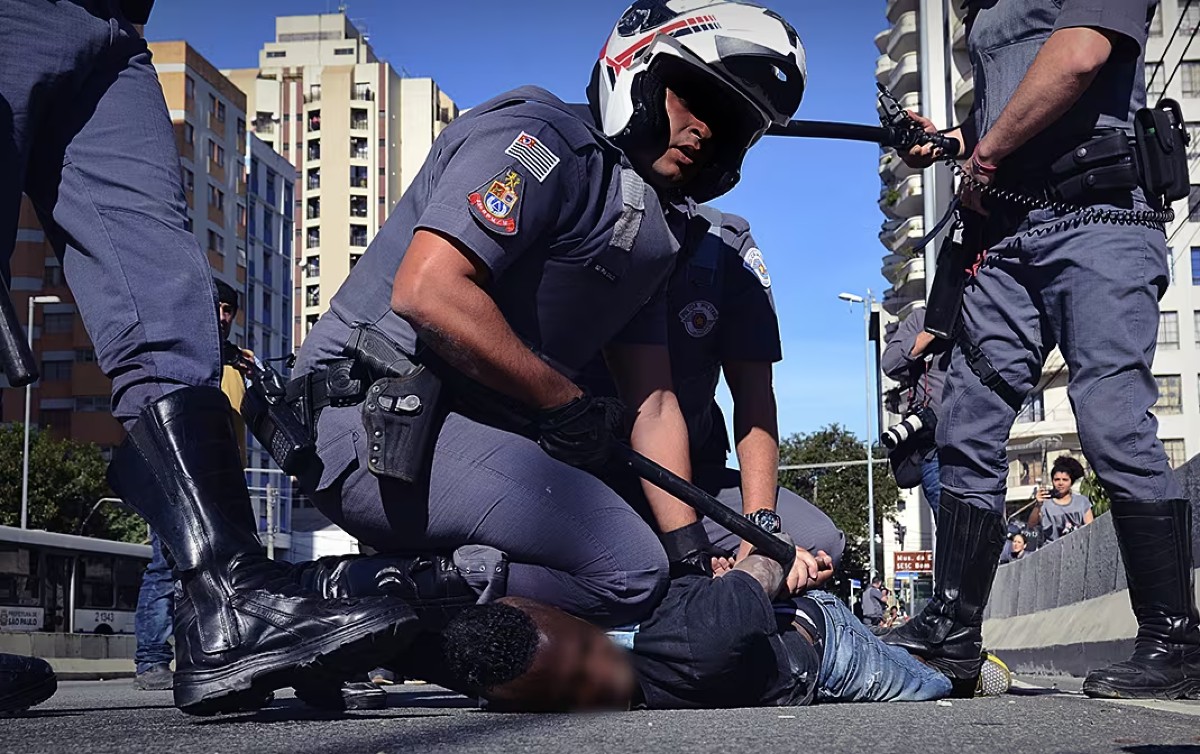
64 583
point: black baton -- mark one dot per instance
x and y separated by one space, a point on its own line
19 365
766 543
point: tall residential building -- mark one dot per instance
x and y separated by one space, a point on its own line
924 57
357 133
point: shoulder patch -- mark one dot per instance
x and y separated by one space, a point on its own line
754 262
497 203
533 154
698 318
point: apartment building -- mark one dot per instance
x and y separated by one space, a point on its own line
923 57
357 133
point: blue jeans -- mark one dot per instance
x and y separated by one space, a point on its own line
858 667
931 482
155 611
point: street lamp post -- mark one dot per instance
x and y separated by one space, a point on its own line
867 303
33 300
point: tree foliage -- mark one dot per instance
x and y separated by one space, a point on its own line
1093 489
66 479
841 492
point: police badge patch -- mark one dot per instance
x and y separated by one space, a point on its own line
754 262
497 202
698 318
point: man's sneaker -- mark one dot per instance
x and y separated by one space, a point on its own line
995 679
155 678
24 682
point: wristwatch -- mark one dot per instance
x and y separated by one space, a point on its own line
767 520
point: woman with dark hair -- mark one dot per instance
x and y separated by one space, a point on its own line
1069 510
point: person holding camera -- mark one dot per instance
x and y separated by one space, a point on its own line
918 361
1067 510
1060 105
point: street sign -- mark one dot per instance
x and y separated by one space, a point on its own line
914 561
21 618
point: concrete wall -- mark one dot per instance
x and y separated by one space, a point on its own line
76 657
1065 608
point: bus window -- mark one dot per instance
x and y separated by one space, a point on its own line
95 579
129 582
20 582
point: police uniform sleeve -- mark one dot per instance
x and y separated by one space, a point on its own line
747 325
505 188
897 357
1129 18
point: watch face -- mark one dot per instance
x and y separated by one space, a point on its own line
766 520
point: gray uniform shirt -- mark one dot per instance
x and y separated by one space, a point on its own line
1058 520
872 602
1006 36
925 374
531 188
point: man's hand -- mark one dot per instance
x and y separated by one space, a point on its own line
1039 494
581 433
808 572
971 189
923 341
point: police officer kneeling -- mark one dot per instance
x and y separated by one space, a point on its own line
1059 91
441 383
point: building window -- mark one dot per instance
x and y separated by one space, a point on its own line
282 53
312 269
1034 409
358 206
1170 394
189 88
56 370
311 320
189 136
358 235
313 238
52 276
1156 81
267 311
314 181
312 295
252 214
362 92
216 198
350 51
216 153
1191 16
359 118
189 181
268 236
270 197
314 149
1168 331
216 242
241 130
314 120
93 404
58 322
313 209
1190 71
382 143
358 176
358 148
1176 452
220 112
85 355
354 260
253 178
1195 260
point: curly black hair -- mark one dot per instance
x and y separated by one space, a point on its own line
487 646
1068 466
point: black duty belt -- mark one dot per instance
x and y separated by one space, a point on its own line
335 385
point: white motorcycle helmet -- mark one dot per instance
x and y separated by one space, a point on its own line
751 58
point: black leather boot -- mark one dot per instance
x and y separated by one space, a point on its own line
24 682
947 634
1155 537
243 627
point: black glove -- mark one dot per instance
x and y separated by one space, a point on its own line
581 433
689 550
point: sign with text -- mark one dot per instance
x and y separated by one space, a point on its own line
914 561
21 618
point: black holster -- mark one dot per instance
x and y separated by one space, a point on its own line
402 416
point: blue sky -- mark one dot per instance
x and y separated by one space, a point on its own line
812 204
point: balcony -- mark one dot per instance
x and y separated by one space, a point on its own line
884 66
314 121
358 148
892 168
891 266
904 200
265 127
905 77
358 206
899 235
896 8
881 41
314 151
314 179
362 94
910 278
964 90
958 32
904 37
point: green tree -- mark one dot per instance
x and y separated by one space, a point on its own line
1093 490
66 479
841 492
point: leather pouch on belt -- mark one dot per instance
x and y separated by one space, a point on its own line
1103 165
402 417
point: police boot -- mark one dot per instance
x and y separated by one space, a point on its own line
24 682
436 587
1156 544
947 634
243 627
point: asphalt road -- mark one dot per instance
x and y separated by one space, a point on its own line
95 717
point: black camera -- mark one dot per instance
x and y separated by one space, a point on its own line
924 419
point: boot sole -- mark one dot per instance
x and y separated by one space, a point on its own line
30 696
1188 689
247 684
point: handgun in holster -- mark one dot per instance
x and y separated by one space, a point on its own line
270 419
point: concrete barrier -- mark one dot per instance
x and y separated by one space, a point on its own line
76 657
1064 609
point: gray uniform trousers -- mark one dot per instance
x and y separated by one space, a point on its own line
1093 291
571 541
85 132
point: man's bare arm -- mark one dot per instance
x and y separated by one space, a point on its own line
755 431
643 377
439 290
1063 70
